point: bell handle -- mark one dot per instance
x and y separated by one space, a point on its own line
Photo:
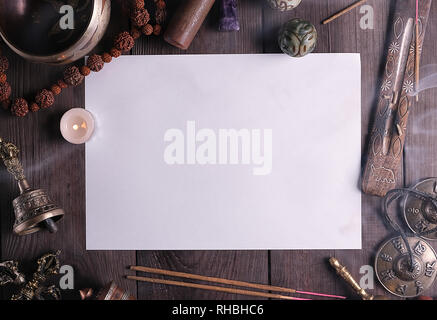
9 155
345 274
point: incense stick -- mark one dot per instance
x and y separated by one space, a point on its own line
214 288
342 12
417 51
229 282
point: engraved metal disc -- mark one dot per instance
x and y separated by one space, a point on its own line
392 267
419 214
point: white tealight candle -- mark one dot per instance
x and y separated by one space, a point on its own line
77 125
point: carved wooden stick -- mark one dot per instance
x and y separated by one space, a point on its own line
186 22
382 171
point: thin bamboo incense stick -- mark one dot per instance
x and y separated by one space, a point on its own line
229 282
417 51
214 288
342 12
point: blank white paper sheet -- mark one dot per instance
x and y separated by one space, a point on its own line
225 152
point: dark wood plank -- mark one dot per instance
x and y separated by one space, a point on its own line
421 145
299 269
241 265
59 167
372 46
309 269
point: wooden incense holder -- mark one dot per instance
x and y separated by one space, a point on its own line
186 22
382 171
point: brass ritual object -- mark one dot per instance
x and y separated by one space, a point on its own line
346 275
395 272
48 265
9 273
420 213
382 171
113 292
35 31
33 208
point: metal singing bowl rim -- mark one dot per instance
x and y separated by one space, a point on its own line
84 43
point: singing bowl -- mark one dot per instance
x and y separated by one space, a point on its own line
32 28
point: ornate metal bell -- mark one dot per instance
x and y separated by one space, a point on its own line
34 210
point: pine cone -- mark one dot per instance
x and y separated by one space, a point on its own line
4 64
72 76
124 41
95 62
140 17
44 98
20 107
5 91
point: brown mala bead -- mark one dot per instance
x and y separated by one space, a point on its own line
5 91
20 108
34 107
95 62
106 57
62 84
115 53
72 76
160 16
140 17
85 71
160 4
147 29
4 64
157 30
124 41
6 104
135 33
3 78
138 4
45 99
55 89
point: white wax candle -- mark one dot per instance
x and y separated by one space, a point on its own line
77 125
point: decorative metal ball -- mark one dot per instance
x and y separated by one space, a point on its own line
284 5
297 37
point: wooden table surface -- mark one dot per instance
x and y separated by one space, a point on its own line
59 167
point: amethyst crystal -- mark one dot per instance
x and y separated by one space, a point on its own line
228 16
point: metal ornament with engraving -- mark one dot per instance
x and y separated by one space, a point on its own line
392 267
420 214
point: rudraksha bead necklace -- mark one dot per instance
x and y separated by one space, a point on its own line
74 76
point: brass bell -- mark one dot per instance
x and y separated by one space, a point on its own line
33 208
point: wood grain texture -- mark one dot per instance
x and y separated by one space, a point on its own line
240 265
60 167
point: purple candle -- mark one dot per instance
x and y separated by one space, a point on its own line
228 16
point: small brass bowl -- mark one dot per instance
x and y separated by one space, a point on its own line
33 29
